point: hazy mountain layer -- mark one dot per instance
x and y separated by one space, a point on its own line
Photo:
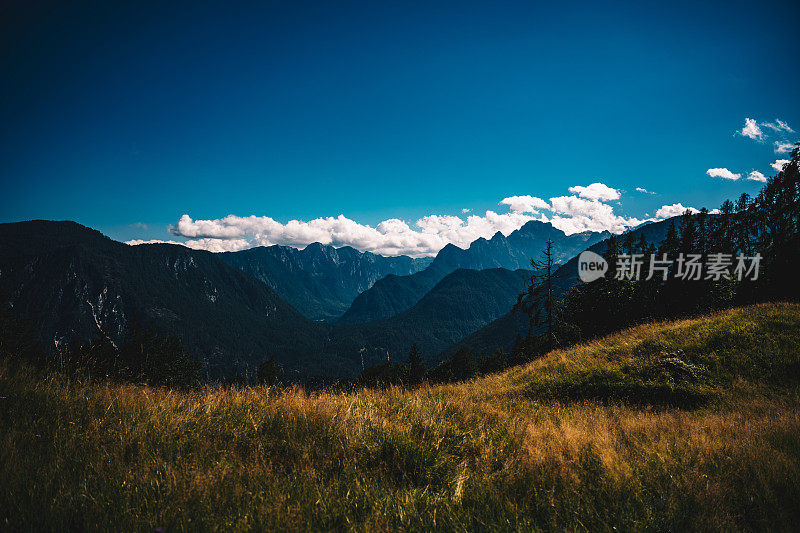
320 281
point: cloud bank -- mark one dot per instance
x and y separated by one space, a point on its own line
587 209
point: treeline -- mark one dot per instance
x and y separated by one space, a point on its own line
141 356
747 252
462 365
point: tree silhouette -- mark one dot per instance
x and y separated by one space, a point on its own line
537 301
416 367
269 372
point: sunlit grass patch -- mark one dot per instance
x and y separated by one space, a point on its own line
597 437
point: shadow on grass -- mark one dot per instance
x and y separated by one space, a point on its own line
643 394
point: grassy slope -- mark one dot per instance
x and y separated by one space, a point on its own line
594 437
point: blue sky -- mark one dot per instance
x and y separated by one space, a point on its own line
126 118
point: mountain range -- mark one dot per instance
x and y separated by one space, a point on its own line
320 281
234 310
394 294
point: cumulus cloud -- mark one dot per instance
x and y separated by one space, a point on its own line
779 164
136 242
751 130
390 237
783 147
525 204
210 245
587 215
465 210
723 173
667 211
674 210
596 191
643 190
778 125
755 175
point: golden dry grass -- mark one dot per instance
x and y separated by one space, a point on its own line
592 437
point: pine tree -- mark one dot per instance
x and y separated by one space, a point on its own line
702 232
671 242
463 364
416 367
688 234
629 244
538 299
743 224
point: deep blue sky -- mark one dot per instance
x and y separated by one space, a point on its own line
114 115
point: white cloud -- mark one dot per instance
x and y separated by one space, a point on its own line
751 129
587 215
778 125
596 191
209 244
723 173
390 237
136 242
779 164
668 211
643 190
755 175
783 147
586 211
424 237
525 204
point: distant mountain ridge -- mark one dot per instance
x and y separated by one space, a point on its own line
517 250
394 294
320 281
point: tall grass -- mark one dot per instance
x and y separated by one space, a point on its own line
596 437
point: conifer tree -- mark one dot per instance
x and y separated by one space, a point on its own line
416 367
538 299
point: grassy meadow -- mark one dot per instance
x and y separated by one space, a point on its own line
598 436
